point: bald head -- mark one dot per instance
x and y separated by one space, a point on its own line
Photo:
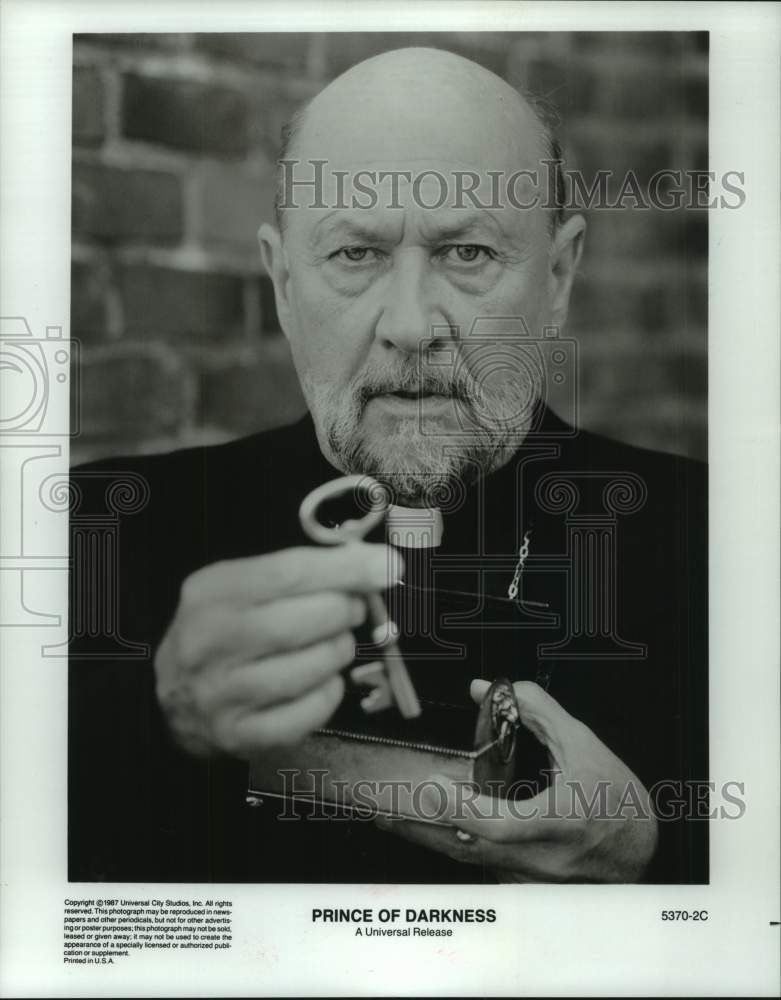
414 210
419 106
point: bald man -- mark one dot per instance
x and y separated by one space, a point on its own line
422 277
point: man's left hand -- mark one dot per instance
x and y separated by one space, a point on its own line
593 823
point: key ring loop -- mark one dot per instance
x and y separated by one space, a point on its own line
354 528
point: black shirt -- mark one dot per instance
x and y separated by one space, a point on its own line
612 620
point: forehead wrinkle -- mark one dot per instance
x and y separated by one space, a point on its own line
455 224
432 226
348 222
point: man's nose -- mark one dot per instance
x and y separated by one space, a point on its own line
410 313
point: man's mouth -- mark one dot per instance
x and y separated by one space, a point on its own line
412 401
409 394
416 394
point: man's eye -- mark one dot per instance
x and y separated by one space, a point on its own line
468 253
354 254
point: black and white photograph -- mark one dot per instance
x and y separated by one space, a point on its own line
502 457
406 473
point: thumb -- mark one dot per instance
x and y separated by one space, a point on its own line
478 690
539 712
570 742
543 716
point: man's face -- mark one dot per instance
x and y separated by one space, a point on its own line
384 307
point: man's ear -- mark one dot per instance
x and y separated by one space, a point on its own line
566 248
274 257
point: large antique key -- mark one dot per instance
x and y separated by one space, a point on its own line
389 679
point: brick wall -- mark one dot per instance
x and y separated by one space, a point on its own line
174 140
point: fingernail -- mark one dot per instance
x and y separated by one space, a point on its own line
385 632
396 567
386 567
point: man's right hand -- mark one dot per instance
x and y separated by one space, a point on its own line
251 659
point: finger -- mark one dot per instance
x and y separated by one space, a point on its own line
282 626
355 566
508 821
282 725
287 676
542 862
542 715
498 820
442 839
536 705
478 689
575 749
550 723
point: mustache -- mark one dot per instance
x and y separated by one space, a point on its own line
414 380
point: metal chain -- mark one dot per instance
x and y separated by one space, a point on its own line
523 552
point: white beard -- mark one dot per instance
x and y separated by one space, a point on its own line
413 464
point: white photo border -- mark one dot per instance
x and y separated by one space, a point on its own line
548 940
